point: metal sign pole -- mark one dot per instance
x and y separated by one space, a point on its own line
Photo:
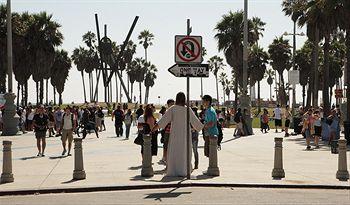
188 115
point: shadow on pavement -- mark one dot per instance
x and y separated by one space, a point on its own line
169 194
70 181
26 158
58 157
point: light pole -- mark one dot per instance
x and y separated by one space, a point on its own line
10 117
294 34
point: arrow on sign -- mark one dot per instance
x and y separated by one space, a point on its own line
190 70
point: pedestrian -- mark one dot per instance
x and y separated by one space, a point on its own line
139 112
195 139
210 123
334 125
265 121
118 117
277 115
308 126
87 123
128 121
40 122
98 116
148 125
317 127
178 141
165 134
58 120
51 116
104 112
239 123
287 116
30 118
68 124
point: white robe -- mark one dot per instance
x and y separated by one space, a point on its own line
177 155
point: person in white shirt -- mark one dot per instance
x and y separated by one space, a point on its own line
277 114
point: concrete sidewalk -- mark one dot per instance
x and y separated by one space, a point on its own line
116 162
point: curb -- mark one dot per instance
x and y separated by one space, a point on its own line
164 186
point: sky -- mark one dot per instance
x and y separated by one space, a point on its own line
165 19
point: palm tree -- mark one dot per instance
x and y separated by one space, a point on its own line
3 52
60 70
280 55
79 59
230 41
150 77
270 73
146 38
215 65
303 64
140 69
128 56
258 60
223 80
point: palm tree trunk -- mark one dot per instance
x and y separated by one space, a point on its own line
54 95
140 87
37 92
276 88
330 95
236 94
217 89
303 95
271 92
223 93
132 91
91 87
309 96
18 90
82 77
60 99
47 91
347 70
316 72
41 91
146 94
26 94
325 94
22 96
259 104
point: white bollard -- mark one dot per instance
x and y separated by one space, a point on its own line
213 169
278 171
7 176
147 169
342 173
79 172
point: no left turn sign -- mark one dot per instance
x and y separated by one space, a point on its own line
188 49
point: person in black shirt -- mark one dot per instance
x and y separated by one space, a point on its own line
139 112
40 122
118 115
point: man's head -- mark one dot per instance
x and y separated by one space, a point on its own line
207 100
278 105
41 109
67 110
170 102
118 107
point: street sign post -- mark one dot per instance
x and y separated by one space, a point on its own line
190 70
188 49
293 77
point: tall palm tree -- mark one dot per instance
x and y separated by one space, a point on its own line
230 40
146 38
150 77
140 69
223 80
280 55
257 62
79 58
3 52
44 36
60 70
270 73
215 65
303 64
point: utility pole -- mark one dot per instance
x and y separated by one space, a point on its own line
10 116
189 30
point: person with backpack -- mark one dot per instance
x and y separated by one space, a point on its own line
118 116
68 124
128 121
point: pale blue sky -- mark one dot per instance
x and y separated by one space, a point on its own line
164 18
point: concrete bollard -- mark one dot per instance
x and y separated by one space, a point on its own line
213 169
79 172
7 176
278 171
342 173
147 169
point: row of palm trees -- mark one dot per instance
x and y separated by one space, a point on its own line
140 70
36 38
327 28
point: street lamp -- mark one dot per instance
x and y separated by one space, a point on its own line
294 34
10 116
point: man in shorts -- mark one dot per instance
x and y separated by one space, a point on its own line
277 114
68 124
40 122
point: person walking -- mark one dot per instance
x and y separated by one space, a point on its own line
139 112
317 127
128 121
265 121
148 125
287 116
195 140
165 134
118 117
239 131
210 123
98 116
68 124
277 115
58 120
308 127
178 141
40 122
30 118
51 116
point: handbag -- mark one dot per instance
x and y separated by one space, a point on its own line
139 139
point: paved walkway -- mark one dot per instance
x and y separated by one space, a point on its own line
111 161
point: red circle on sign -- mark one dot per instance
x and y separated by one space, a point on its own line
181 42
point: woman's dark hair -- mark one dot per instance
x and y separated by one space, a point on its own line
207 98
148 112
180 99
129 111
162 111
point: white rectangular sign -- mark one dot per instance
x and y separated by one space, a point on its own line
293 77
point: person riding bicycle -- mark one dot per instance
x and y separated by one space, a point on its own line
87 123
